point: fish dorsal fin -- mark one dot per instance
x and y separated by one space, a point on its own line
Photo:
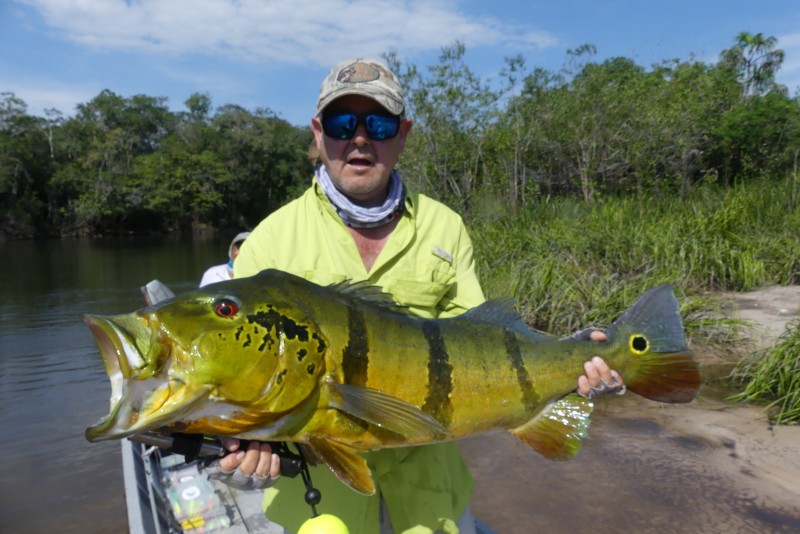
556 432
382 410
368 292
501 312
345 463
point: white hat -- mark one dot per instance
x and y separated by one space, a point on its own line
238 240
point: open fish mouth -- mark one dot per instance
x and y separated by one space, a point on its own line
143 395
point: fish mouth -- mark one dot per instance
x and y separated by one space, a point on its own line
144 396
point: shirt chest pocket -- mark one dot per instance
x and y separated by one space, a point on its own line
426 287
323 278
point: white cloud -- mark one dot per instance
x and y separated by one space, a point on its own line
309 32
38 100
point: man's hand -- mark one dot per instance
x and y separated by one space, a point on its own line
255 468
599 378
258 460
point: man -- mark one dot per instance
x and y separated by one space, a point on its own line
358 221
224 271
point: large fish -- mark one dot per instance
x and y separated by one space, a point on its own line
343 369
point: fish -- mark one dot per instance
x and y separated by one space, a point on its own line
344 369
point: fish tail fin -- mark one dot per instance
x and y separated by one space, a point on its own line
661 368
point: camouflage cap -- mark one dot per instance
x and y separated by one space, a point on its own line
362 76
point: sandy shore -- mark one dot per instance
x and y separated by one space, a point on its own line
707 466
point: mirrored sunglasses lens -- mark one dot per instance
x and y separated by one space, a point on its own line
381 127
340 126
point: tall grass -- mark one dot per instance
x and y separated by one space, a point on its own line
773 376
570 265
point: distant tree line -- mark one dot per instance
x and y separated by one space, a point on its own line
599 128
130 165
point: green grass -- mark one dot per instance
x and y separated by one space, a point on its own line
772 376
568 263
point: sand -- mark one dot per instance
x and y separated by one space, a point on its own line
708 466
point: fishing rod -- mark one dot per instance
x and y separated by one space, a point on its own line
195 446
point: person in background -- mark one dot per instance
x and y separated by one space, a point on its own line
224 271
358 221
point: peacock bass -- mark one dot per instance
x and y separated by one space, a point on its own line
343 369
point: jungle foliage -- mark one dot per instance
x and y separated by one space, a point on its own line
590 131
130 165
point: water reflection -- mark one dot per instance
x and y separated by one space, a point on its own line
52 383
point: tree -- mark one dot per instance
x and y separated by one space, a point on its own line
453 109
25 168
755 61
266 158
106 136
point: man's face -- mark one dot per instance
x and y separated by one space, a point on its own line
360 167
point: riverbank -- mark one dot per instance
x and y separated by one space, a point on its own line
706 466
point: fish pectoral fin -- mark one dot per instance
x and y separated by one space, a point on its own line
309 454
345 463
556 432
382 410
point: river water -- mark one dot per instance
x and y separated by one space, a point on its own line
52 382
703 467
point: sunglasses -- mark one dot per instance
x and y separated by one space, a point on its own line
343 125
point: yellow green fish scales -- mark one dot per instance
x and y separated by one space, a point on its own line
343 369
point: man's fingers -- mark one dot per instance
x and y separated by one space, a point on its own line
615 375
583 386
230 462
265 458
598 335
275 466
252 458
599 378
231 444
592 374
603 372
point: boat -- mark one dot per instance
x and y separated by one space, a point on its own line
164 494
168 491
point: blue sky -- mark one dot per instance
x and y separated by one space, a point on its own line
274 54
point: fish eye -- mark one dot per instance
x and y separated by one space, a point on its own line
639 343
226 308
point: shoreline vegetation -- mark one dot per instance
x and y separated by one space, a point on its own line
582 188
